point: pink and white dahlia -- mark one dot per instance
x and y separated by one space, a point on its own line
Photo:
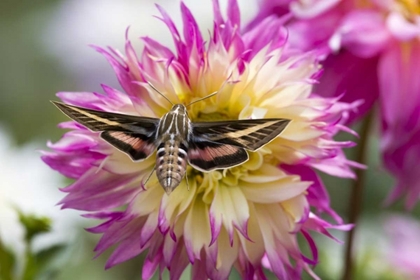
372 50
346 34
247 216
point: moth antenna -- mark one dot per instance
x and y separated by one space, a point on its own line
201 99
211 94
150 175
155 89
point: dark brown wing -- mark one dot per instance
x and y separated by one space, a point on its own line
219 145
207 156
133 135
247 134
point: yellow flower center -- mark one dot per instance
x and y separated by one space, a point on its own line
363 4
208 117
406 49
409 8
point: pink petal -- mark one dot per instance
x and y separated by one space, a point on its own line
363 33
317 194
99 190
311 9
150 266
401 128
355 77
402 28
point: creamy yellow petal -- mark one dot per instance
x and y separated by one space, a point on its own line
275 191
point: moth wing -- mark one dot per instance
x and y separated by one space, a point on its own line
135 145
247 134
132 135
105 121
206 156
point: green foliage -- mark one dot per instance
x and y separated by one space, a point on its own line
39 265
36 265
34 225
7 263
29 75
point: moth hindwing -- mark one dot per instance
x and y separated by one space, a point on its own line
204 145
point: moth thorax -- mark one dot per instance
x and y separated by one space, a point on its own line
171 162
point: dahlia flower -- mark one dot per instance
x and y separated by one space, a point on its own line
249 216
372 50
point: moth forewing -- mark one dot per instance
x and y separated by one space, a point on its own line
247 134
132 135
220 145
105 121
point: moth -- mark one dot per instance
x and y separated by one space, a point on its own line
206 146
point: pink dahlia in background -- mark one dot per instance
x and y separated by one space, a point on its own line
248 216
372 51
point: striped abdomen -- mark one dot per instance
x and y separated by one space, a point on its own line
171 163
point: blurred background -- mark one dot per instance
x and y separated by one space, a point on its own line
43 50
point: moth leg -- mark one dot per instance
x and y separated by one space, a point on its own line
148 177
186 180
101 165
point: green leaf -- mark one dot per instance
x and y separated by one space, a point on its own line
30 269
7 263
34 225
45 257
46 261
40 265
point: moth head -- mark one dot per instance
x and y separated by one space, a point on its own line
179 109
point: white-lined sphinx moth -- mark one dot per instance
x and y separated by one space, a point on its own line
204 145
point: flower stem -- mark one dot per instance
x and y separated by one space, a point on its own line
356 197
